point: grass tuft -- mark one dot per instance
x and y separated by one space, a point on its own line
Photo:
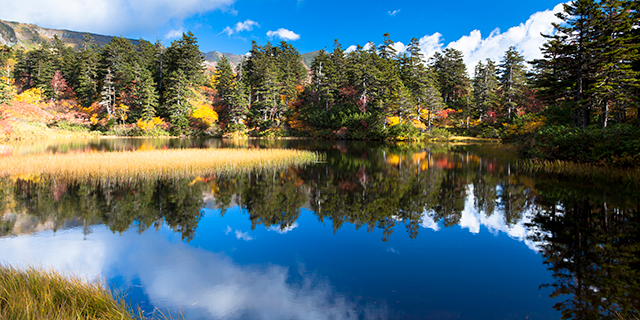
154 164
46 294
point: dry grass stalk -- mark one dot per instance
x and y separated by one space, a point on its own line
155 164
39 294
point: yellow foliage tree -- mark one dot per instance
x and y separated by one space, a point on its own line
33 96
204 113
149 124
392 121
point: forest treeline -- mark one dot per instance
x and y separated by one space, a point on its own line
579 102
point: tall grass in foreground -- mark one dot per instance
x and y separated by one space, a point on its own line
582 170
155 164
37 294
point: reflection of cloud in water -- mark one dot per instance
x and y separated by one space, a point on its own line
472 220
280 230
429 223
203 284
243 236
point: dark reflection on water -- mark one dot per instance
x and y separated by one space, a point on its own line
587 232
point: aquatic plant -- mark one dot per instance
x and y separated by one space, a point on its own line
151 164
582 170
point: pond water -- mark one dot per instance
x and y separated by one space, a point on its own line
376 231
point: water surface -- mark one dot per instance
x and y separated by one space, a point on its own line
377 231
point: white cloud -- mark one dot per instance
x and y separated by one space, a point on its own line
400 47
173 34
175 275
243 236
430 44
283 34
394 12
429 223
284 230
246 25
526 37
113 17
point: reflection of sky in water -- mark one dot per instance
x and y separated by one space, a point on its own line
307 272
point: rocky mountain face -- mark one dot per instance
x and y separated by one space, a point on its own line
30 36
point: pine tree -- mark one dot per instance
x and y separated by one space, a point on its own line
451 75
87 72
512 79
485 87
184 54
177 106
146 100
224 80
239 101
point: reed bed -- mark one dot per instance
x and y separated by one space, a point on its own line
153 164
582 170
46 294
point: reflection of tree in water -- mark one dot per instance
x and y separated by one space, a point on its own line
592 247
372 187
117 205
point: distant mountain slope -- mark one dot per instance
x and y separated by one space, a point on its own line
30 36
308 57
215 56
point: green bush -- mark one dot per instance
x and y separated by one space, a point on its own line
617 145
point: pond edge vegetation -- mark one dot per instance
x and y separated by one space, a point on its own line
37 293
124 166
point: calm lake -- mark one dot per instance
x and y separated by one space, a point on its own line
376 231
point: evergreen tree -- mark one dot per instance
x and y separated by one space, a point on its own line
451 75
87 72
224 80
177 106
512 79
485 87
184 54
146 96
238 107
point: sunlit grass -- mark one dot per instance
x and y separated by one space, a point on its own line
47 294
153 164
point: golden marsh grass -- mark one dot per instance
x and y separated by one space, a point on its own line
152 164
39 294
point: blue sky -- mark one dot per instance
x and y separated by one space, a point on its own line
481 29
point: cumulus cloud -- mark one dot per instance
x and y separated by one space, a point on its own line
283 34
112 17
173 34
400 47
526 37
246 25
394 12
351 48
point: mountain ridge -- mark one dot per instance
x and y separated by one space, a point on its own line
29 36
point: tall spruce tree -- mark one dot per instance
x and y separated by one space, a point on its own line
176 101
485 87
512 80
